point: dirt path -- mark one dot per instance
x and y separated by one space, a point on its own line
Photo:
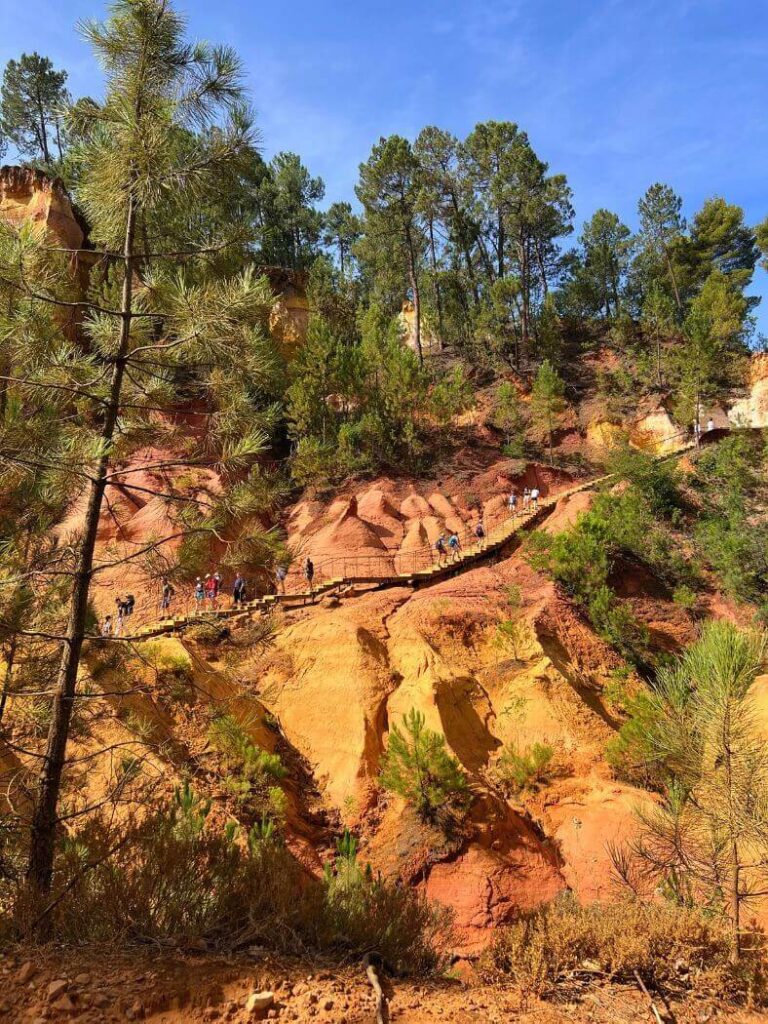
104 988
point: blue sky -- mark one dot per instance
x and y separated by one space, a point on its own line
616 94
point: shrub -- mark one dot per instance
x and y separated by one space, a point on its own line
630 752
668 946
171 879
518 770
417 767
655 481
685 597
258 766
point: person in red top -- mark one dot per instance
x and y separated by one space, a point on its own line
211 590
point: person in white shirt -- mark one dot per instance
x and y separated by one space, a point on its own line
535 498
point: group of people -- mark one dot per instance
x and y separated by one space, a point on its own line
123 610
449 549
207 590
697 428
530 501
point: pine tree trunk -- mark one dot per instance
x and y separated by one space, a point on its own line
674 282
438 294
45 815
735 901
416 295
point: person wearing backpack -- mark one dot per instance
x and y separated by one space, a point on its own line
440 549
480 533
455 545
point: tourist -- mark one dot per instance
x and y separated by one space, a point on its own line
480 532
238 590
120 605
130 601
167 594
440 549
211 590
710 424
199 591
512 503
106 627
535 498
526 499
309 572
281 574
455 545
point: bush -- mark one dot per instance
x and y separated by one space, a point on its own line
417 767
668 946
630 752
655 481
257 766
516 771
172 879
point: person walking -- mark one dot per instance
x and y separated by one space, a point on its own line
309 573
106 626
512 503
526 499
130 602
167 594
238 590
710 425
119 615
455 545
440 549
281 574
535 498
199 592
480 533
211 591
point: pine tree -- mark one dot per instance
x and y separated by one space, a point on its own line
388 190
709 838
342 230
547 402
419 768
33 99
171 123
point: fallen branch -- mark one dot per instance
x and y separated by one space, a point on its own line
647 994
382 1006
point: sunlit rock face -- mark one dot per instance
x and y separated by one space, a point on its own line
430 343
752 411
27 195
289 318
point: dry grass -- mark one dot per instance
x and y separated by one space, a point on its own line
175 880
674 950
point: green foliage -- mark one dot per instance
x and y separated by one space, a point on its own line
355 408
547 403
418 768
188 813
507 417
32 104
730 535
449 396
257 765
704 734
655 482
517 770
631 752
